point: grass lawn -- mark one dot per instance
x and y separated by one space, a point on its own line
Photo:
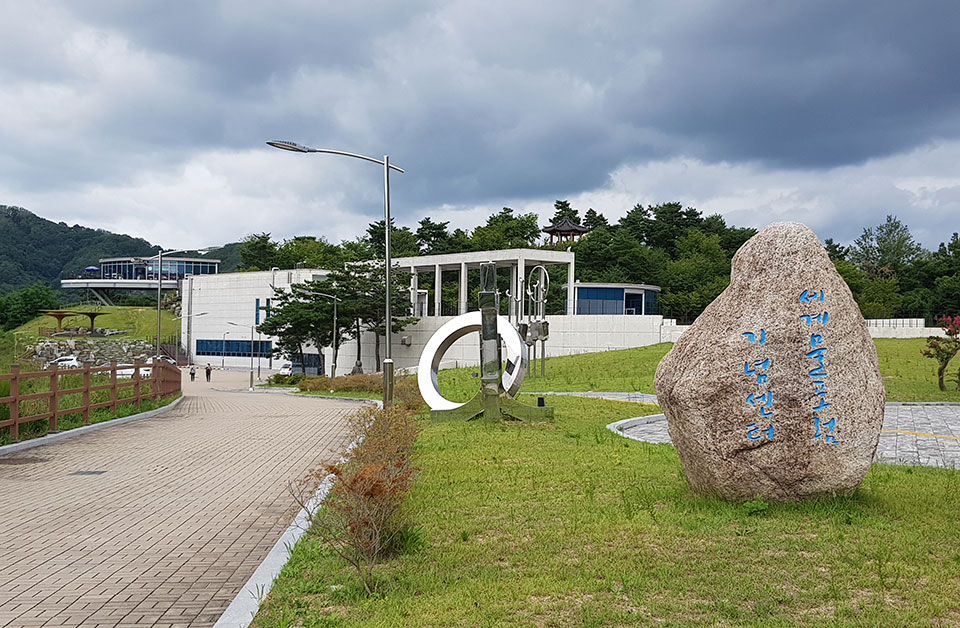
909 376
570 525
141 321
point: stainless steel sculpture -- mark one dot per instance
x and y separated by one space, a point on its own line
537 329
495 397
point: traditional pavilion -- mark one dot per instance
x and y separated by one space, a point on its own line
565 230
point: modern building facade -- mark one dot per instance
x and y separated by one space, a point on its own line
232 306
136 273
173 267
631 299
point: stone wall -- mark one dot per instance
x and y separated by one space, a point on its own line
94 351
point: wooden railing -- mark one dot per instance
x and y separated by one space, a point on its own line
164 380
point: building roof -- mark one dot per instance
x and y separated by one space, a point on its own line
565 226
166 258
625 286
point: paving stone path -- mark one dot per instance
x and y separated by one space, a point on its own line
157 522
916 434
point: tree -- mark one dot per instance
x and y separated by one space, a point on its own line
25 304
403 242
506 231
943 349
835 251
310 251
258 252
432 237
885 250
594 219
292 322
565 212
362 287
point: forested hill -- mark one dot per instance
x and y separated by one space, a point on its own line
36 250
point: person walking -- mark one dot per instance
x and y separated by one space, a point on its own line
193 372
209 370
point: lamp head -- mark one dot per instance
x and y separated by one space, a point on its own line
285 145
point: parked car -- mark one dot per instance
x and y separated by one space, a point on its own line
286 368
126 370
64 362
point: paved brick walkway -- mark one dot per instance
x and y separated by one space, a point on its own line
157 522
913 434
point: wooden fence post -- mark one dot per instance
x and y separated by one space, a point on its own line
86 393
113 387
157 375
136 383
15 406
52 404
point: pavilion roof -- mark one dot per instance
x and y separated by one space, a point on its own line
565 226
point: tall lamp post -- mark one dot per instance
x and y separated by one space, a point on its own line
223 348
387 166
335 344
159 258
253 330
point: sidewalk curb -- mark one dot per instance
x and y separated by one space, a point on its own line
246 604
618 427
86 429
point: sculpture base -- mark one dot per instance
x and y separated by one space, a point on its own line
503 408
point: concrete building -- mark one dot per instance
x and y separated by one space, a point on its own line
234 303
137 273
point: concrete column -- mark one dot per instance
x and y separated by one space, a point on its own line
414 287
188 319
436 290
462 305
521 286
513 294
571 291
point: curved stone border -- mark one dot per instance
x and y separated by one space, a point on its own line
246 604
86 429
618 427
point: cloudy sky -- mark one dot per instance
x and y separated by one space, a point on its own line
150 117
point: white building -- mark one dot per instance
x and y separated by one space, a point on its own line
234 302
220 310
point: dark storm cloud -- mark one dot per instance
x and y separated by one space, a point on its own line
482 103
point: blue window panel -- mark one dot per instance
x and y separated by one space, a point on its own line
234 348
633 302
651 304
256 313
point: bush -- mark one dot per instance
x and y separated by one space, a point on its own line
363 519
406 393
286 380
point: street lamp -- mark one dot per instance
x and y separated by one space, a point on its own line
179 318
223 348
297 148
253 329
159 258
335 344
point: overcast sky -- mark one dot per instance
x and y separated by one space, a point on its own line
150 118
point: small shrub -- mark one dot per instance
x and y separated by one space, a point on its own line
363 519
756 507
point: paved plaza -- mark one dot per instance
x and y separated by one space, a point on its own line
912 434
157 522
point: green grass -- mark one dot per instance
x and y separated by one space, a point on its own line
909 376
141 321
571 525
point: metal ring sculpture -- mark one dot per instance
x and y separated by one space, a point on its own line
449 333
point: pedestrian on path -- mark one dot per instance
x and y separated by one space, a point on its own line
209 370
193 372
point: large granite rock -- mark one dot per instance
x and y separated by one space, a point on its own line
775 389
